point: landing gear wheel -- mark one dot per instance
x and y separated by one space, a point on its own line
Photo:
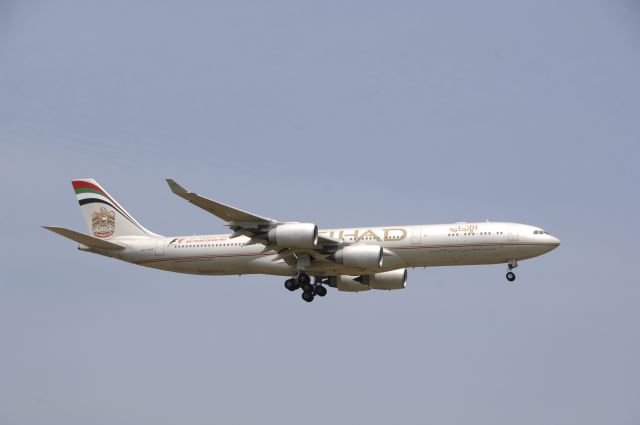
303 278
307 296
321 291
307 287
511 276
291 284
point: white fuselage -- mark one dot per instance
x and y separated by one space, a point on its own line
405 246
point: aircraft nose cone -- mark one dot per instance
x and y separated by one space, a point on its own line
555 241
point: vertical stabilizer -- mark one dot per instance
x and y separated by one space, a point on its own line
104 217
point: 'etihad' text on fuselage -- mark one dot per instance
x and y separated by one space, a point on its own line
392 234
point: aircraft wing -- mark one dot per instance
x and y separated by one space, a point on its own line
225 212
244 223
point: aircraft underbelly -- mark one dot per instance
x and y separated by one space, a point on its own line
466 255
204 263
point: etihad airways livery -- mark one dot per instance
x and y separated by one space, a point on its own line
347 259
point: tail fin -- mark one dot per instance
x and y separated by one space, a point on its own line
104 217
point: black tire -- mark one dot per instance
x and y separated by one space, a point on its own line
307 287
511 276
321 291
303 278
307 296
291 284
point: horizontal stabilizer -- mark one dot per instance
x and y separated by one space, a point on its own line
86 240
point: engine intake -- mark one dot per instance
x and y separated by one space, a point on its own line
365 256
294 235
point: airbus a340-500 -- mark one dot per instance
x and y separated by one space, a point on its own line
354 259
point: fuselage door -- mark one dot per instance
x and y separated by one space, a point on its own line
513 235
416 234
160 247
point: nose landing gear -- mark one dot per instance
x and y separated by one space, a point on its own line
309 290
511 276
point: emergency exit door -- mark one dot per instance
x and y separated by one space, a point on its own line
160 247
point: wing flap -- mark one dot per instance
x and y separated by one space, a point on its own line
86 240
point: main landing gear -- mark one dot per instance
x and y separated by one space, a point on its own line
309 290
511 276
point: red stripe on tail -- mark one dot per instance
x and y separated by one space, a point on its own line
79 184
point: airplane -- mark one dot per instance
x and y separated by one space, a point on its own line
351 260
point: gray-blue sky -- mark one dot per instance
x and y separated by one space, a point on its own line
341 113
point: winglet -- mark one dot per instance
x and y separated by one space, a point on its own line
175 187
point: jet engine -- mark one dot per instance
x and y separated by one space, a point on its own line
365 256
349 283
294 235
394 279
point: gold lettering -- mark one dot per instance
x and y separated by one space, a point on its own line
343 235
389 237
369 233
470 228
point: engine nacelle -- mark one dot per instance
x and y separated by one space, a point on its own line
365 256
350 284
394 279
294 235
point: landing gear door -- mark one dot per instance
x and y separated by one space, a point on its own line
160 247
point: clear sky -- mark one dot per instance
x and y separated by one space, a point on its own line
343 113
